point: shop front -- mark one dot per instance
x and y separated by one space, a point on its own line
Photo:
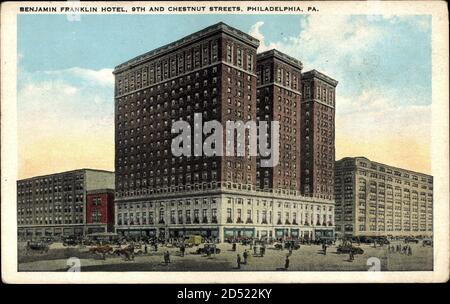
281 232
238 232
204 232
324 234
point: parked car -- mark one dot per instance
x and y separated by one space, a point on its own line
292 244
427 242
41 247
411 240
277 245
193 240
47 239
346 248
71 240
208 249
382 240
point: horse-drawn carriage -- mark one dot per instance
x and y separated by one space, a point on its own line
128 252
103 250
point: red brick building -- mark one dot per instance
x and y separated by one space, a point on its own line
211 72
100 211
318 135
279 99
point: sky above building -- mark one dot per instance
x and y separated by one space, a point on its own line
65 82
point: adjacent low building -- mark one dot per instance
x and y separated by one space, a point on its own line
55 204
374 199
100 211
224 210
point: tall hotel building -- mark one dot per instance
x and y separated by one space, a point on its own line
213 72
279 98
317 140
57 204
374 199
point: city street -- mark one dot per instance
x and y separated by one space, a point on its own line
307 258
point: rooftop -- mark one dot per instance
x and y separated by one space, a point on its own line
321 76
210 30
281 56
384 165
66 172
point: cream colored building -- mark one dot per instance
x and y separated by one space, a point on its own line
374 199
223 211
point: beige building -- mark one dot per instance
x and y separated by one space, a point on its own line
374 199
224 210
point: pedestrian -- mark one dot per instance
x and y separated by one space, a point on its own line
182 249
286 263
254 250
145 248
234 247
156 246
238 261
167 257
245 255
351 256
324 249
409 250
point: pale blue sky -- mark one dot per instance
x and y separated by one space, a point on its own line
382 63
401 57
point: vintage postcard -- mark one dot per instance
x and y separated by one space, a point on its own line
218 142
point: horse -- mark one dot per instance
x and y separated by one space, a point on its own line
103 250
127 252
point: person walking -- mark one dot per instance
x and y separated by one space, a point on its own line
145 248
182 249
238 261
245 255
286 263
254 250
351 256
166 257
324 249
409 250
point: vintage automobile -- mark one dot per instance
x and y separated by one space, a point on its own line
346 248
295 245
277 245
427 242
208 249
47 239
193 240
411 240
382 240
42 247
70 240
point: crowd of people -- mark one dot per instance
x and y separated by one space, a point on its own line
402 249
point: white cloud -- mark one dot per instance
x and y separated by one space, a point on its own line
375 113
255 32
52 101
102 77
